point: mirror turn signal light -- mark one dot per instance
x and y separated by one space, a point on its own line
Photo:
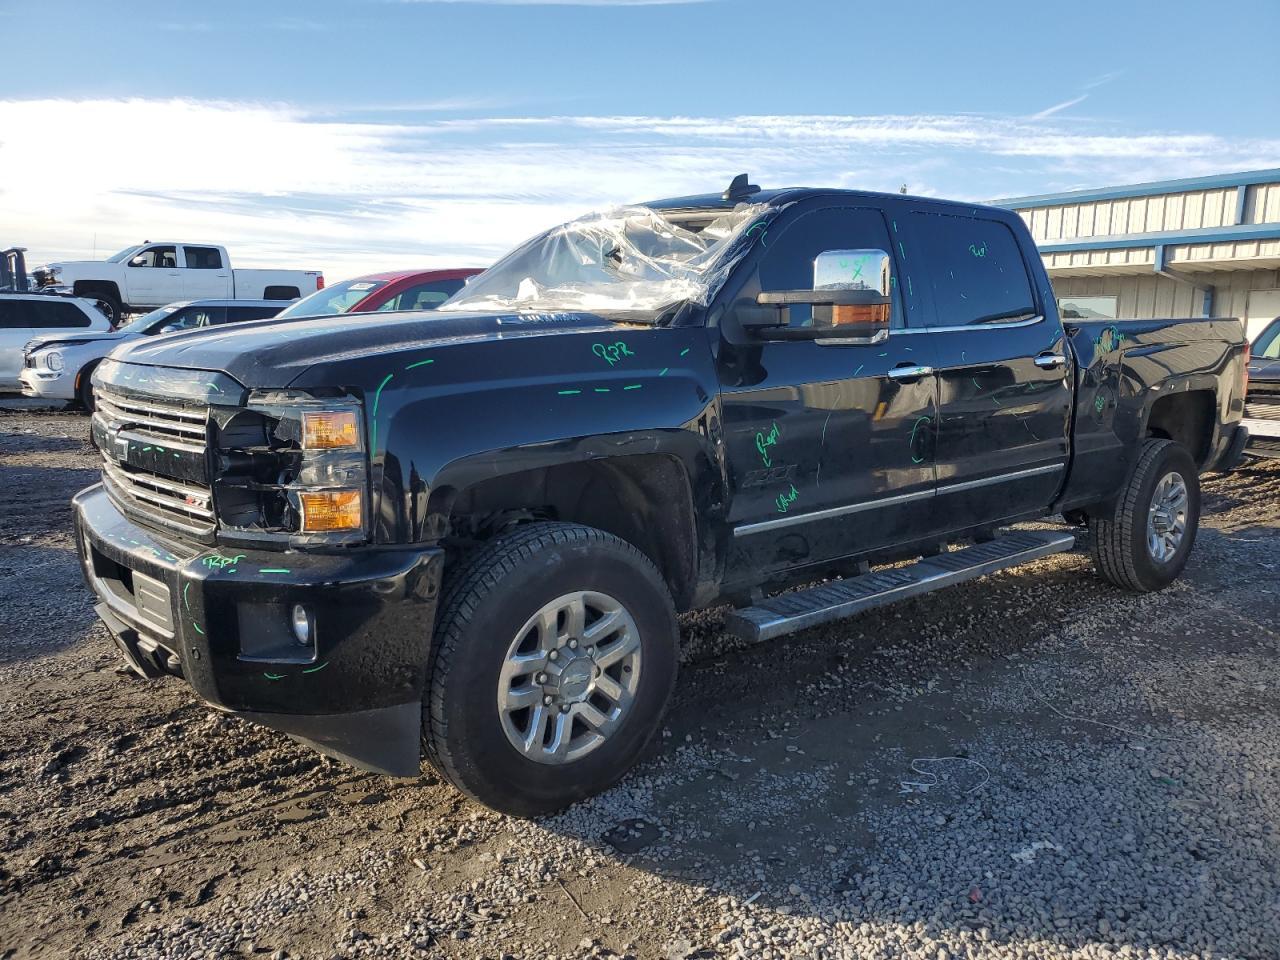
324 511
330 430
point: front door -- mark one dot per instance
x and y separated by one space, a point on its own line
1004 371
154 278
830 454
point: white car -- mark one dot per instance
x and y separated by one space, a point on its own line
27 315
150 275
60 366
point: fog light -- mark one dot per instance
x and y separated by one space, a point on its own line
302 624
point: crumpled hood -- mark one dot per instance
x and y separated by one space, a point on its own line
274 353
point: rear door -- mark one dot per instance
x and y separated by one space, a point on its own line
829 453
1003 369
206 275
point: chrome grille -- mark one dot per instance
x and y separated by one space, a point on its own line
171 425
165 422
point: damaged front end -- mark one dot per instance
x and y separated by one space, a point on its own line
225 545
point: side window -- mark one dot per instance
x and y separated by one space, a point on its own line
424 296
15 315
192 318
163 257
975 269
238 314
203 258
790 259
72 316
53 315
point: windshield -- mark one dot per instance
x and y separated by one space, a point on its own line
122 255
149 322
335 299
631 259
1267 346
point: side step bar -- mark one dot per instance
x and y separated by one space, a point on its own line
789 612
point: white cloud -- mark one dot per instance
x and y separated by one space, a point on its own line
282 185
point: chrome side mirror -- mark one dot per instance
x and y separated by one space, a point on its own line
851 300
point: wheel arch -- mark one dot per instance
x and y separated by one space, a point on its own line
97 288
643 499
1188 418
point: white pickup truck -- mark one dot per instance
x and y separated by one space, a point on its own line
150 275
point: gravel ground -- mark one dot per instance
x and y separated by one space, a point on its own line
1034 764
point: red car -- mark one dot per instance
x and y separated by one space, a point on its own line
395 290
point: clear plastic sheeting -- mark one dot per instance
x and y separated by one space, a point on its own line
633 260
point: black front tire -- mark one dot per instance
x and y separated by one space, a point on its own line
1120 537
486 600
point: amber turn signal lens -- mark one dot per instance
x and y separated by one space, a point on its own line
328 510
329 430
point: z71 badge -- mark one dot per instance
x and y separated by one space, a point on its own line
763 478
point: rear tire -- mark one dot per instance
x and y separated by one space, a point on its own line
1143 542
508 603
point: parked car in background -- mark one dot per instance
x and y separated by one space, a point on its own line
60 366
150 275
395 290
1262 403
27 315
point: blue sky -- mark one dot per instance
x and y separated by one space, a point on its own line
357 134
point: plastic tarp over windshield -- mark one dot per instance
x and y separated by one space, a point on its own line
630 259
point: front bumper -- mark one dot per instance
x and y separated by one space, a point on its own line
220 619
47 384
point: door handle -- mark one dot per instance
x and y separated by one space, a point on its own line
909 371
1048 361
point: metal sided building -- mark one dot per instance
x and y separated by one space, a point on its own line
1204 246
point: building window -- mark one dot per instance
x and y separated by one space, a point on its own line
1087 308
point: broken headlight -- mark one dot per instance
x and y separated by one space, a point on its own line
291 466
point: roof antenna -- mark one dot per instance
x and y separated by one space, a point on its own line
739 189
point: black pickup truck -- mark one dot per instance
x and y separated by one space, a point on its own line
467 533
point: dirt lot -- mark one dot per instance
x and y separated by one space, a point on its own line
1031 765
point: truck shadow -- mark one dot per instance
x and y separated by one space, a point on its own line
907 780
